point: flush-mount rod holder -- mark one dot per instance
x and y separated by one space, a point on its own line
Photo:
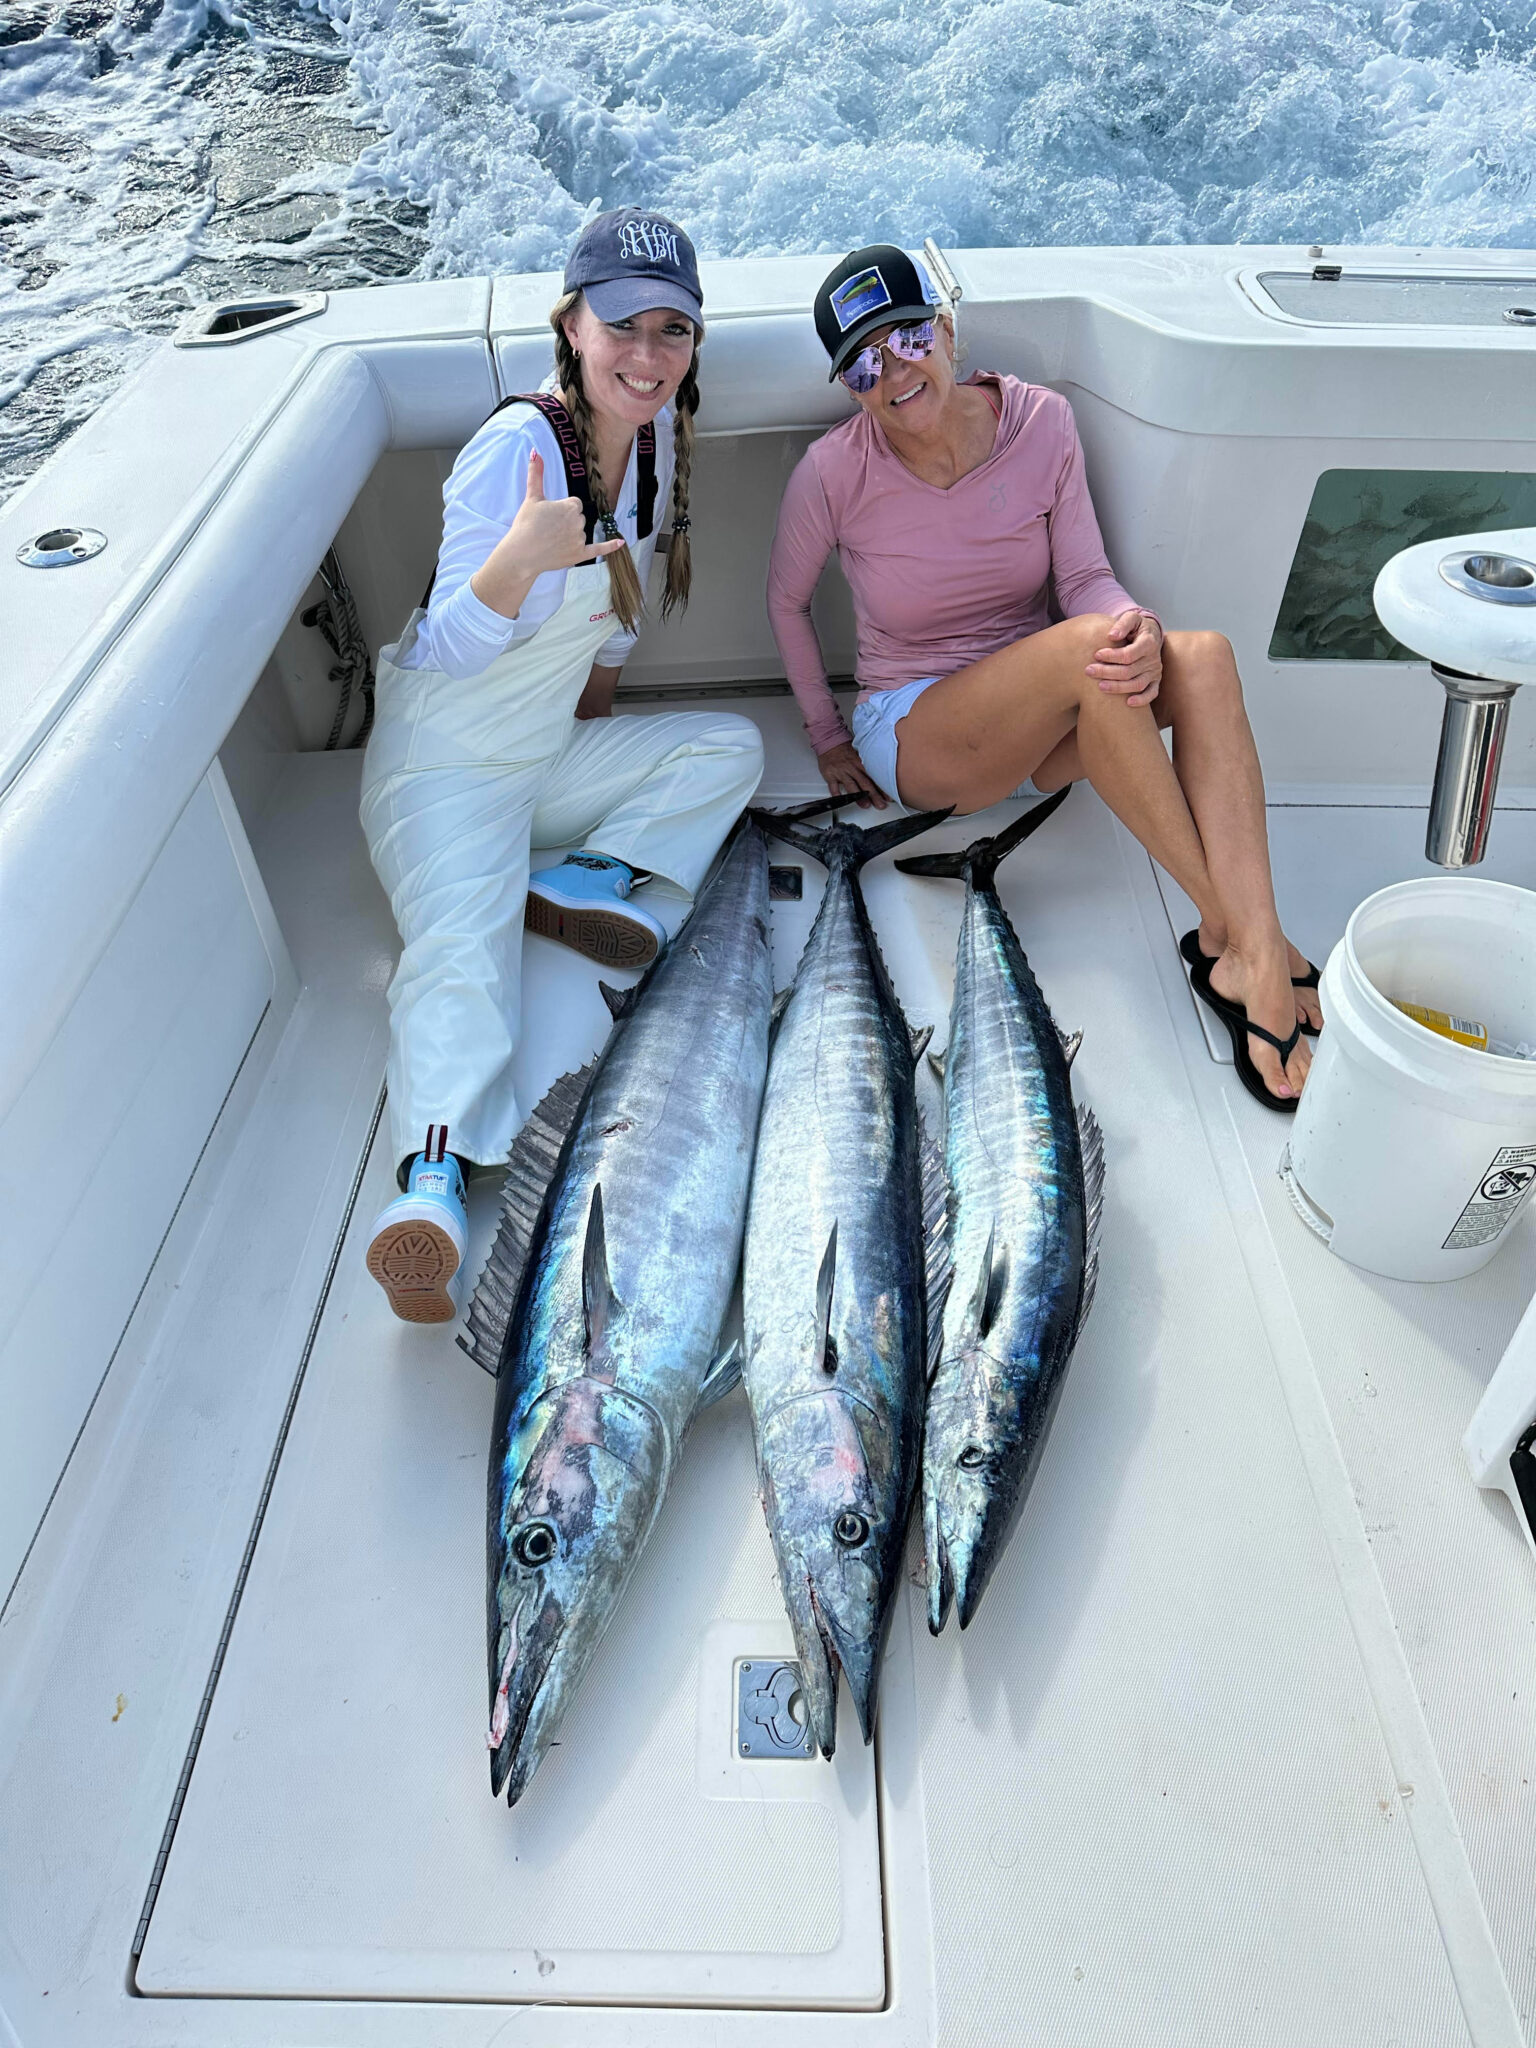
1469 606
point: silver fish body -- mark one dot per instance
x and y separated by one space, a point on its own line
1025 1182
626 1274
833 1290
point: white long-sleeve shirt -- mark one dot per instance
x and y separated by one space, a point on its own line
459 634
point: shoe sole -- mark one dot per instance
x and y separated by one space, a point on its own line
602 935
413 1262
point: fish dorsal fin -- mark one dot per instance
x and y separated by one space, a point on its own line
530 1168
723 1377
919 1035
620 1001
599 1303
1070 1041
937 1270
1091 1139
825 1350
780 1004
937 1062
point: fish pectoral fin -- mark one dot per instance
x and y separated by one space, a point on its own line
1070 1041
530 1169
937 1061
620 1001
987 1296
723 1377
825 1351
997 1280
919 1035
599 1303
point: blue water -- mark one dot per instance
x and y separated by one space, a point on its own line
162 152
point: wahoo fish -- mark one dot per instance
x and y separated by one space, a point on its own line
601 1303
835 1284
1026 1183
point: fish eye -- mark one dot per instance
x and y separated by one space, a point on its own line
972 1456
850 1528
535 1544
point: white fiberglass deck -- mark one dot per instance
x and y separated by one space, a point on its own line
1237 1749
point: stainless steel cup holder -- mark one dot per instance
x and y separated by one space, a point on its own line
1494 579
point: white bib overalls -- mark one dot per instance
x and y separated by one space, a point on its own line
460 780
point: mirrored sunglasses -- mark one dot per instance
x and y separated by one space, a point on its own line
911 343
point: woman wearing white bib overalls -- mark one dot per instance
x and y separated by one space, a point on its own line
494 735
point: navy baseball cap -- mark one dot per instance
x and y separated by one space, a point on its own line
880 286
630 261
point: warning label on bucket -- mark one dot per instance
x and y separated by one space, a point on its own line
1498 1199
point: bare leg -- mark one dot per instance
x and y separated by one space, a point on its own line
972 738
1217 765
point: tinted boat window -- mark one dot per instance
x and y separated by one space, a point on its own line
1359 519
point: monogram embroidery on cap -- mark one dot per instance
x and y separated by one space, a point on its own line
647 241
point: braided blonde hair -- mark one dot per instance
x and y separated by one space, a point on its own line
623 577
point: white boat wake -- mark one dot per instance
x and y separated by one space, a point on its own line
161 153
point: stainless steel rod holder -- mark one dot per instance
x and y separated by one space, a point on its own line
1467 770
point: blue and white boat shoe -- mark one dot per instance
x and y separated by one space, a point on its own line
419 1241
584 903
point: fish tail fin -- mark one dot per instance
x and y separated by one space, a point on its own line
846 843
784 824
816 808
981 860
881 838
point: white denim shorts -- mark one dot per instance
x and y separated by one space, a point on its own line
874 733
874 729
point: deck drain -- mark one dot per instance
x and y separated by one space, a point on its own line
771 1720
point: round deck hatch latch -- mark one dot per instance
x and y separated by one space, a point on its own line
1495 579
61 547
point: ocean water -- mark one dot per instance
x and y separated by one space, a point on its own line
158 153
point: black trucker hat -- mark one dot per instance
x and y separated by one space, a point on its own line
630 261
875 287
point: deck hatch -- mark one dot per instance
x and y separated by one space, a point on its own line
338 1838
1352 299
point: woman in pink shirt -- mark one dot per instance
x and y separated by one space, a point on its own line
957 510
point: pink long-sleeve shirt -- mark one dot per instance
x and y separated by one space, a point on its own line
939 577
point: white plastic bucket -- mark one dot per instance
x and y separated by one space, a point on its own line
1411 1155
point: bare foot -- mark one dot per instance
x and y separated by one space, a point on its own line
1262 984
1309 1009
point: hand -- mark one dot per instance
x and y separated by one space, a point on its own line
846 775
551 533
596 699
1131 666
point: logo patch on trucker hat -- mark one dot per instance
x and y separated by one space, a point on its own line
857 297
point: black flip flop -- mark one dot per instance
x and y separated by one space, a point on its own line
1239 1024
1189 946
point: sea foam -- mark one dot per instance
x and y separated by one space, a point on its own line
166 151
